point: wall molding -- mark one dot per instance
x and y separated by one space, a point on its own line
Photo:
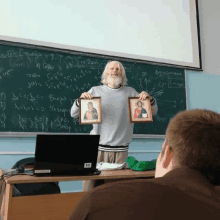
33 153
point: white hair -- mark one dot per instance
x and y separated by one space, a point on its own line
121 68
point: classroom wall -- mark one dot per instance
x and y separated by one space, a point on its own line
202 92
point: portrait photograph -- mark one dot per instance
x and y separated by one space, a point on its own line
90 111
139 111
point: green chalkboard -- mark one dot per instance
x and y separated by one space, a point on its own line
39 85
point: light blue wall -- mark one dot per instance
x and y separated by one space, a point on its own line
202 92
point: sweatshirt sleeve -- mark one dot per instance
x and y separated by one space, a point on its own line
154 106
75 108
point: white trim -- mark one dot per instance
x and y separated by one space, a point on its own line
33 153
16 153
186 91
70 191
34 134
113 88
45 45
143 151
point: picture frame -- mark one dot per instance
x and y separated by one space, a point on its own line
90 111
139 111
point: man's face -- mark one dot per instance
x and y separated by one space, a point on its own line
114 75
113 70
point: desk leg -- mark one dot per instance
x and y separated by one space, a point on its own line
8 202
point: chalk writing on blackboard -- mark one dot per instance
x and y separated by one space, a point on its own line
175 83
38 88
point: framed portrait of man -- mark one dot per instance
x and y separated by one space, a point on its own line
139 111
90 111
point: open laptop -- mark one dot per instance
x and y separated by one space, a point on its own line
66 154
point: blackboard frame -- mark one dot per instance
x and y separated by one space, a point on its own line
30 44
41 45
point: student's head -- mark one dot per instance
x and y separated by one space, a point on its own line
114 70
193 141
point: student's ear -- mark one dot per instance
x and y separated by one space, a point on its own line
168 158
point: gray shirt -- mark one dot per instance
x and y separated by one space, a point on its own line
115 129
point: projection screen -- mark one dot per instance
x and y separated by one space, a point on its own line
161 32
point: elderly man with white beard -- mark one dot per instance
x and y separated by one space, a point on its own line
115 130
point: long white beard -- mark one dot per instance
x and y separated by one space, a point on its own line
114 82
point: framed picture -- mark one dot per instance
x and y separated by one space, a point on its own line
139 111
90 111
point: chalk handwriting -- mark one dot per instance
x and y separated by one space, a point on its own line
59 99
28 96
161 73
175 83
52 76
63 110
59 124
75 121
162 84
2 101
47 66
34 75
40 123
68 78
2 120
28 108
7 73
11 54
58 85
33 84
157 93
17 63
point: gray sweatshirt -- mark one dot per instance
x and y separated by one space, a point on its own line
115 130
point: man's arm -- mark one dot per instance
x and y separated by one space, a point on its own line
143 95
154 106
75 108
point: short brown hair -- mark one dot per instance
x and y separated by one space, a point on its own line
194 136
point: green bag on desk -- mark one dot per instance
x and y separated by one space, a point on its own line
141 165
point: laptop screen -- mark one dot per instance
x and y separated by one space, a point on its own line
74 151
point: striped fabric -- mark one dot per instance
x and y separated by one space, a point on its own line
113 148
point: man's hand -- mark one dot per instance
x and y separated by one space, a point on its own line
143 95
86 95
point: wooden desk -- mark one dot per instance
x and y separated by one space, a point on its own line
55 206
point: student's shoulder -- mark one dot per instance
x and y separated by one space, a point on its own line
127 185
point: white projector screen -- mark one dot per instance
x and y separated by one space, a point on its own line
162 32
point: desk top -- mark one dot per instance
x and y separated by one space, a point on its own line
105 174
